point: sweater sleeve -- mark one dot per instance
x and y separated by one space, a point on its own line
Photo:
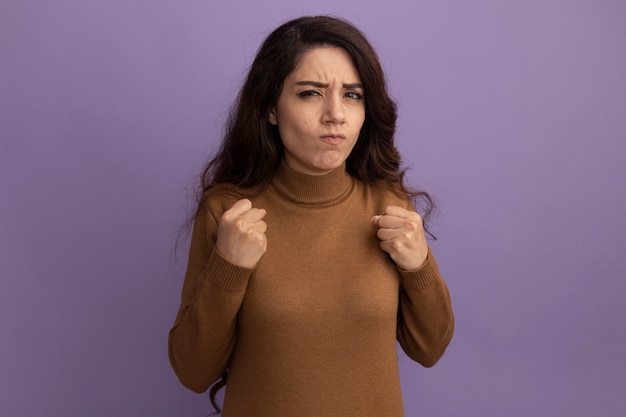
425 318
203 336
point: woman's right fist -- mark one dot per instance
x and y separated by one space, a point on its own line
241 234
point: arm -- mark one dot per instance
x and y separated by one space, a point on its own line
425 319
203 336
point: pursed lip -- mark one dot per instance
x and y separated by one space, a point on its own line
334 136
333 139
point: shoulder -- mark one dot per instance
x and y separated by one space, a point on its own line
220 197
387 193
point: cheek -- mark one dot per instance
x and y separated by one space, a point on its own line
357 115
359 122
296 123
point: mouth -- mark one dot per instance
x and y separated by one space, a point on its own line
333 139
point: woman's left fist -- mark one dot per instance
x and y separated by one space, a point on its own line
401 235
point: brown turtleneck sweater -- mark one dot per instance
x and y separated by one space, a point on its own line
312 330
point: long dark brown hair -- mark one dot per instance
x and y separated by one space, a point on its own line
251 149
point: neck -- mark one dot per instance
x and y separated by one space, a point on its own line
312 189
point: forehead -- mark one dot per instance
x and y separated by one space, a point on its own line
324 62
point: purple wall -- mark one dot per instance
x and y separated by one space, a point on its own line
512 113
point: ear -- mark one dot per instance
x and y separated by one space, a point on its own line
272 117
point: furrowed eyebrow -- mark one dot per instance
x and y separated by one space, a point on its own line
318 84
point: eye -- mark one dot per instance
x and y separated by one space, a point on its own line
309 93
353 95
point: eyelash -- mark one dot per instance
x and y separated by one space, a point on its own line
309 93
350 94
354 95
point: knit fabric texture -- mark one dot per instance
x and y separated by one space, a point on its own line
311 331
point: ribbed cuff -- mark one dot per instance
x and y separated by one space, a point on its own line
422 277
225 275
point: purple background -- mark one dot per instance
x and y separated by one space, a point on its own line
513 113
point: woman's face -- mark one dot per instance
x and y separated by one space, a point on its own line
320 111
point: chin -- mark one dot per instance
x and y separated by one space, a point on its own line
329 164
326 168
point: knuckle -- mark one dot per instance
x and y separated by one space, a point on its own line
396 245
256 238
240 224
413 226
226 216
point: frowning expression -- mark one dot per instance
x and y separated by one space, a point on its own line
320 111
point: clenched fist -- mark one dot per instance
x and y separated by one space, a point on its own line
401 235
241 234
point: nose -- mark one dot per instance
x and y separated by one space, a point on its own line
333 109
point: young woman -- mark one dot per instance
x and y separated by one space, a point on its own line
308 260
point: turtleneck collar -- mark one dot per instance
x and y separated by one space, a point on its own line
312 189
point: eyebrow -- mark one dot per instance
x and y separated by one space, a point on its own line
325 85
